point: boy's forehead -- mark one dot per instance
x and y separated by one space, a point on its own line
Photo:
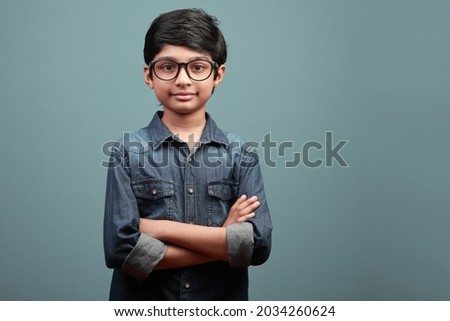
180 53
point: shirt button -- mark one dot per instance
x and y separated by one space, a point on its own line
190 190
187 285
154 191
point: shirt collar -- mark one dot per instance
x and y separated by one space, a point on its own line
160 133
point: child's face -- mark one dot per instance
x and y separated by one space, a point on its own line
183 95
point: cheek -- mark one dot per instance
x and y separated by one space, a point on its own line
161 95
207 88
161 89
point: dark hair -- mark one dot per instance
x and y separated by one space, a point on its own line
192 28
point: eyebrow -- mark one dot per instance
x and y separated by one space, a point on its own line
175 59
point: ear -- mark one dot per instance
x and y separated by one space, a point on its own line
147 77
220 75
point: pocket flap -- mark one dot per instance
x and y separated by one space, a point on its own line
225 190
153 188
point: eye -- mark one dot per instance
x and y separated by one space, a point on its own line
166 66
197 66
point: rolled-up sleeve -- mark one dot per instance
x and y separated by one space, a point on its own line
240 244
124 246
144 257
251 183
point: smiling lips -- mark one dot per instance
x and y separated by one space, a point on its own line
183 95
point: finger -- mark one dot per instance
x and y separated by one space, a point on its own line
255 205
249 208
247 202
239 201
246 217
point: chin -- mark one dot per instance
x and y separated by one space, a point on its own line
184 110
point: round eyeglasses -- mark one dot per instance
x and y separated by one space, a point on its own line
198 69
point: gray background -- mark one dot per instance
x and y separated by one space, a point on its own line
375 73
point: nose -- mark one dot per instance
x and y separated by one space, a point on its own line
183 78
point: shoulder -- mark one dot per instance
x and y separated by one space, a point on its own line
233 139
134 141
238 145
144 138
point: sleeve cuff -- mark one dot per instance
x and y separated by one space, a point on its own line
240 244
144 257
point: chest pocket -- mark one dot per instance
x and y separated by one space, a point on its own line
155 197
222 195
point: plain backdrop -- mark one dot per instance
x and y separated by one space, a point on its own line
376 74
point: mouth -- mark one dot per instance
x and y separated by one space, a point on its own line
183 95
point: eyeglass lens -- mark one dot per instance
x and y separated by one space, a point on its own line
196 69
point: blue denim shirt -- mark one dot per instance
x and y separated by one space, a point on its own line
152 174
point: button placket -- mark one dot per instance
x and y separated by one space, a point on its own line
189 190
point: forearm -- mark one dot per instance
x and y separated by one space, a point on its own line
177 257
206 240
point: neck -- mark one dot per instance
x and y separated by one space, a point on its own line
183 122
188 127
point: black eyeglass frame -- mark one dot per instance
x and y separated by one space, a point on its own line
214 67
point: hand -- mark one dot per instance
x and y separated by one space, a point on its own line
242 210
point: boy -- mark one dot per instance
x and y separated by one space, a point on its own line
178 224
